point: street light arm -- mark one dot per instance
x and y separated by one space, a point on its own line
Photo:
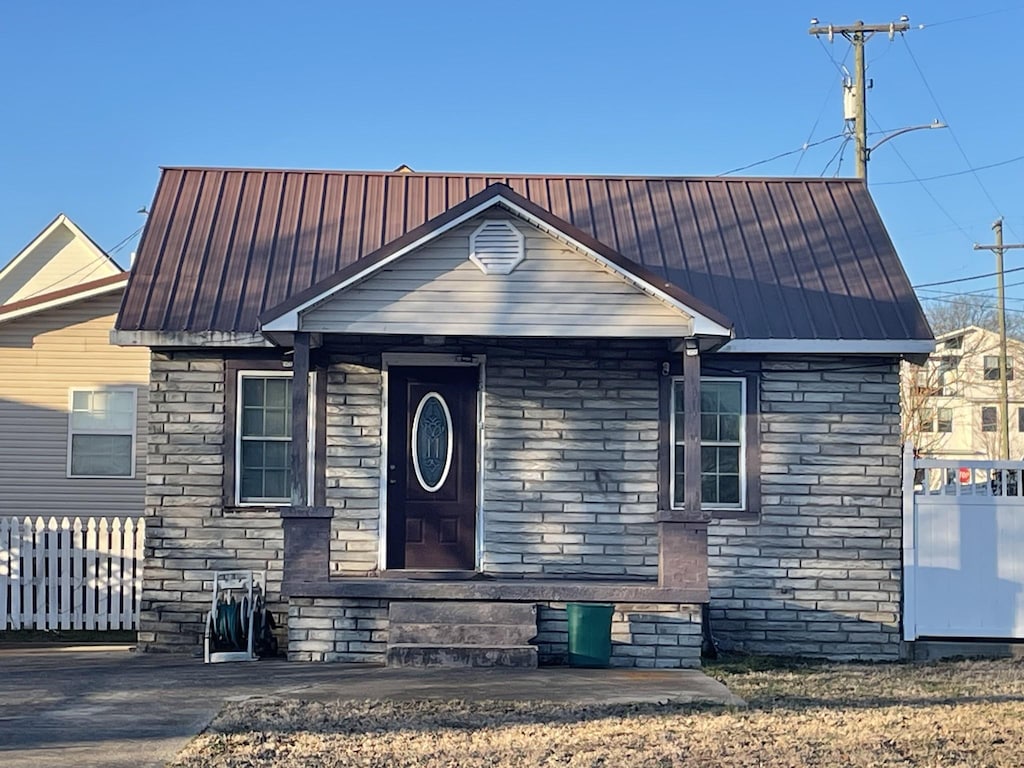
901 131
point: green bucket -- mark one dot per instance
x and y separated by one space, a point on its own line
590 634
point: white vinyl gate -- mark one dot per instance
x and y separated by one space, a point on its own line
70 574
963 548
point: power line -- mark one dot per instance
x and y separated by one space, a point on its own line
956 141
982 294
122 243
965 279
781 155
955 173
927 191
966 18
838 153
954 301
810 134
840 68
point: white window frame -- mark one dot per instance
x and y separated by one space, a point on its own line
257 373
744 415
72 431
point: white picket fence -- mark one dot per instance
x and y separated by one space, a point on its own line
70 574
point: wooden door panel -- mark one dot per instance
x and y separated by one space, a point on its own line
432 447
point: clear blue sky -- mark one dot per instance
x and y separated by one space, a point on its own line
96 96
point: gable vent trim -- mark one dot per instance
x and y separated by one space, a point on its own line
496 247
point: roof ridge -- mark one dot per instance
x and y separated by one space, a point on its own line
507 174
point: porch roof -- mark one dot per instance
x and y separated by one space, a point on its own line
783 259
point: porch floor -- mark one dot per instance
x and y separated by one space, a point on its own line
512 590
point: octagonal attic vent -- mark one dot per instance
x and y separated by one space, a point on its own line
496 247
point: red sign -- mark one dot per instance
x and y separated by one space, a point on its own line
965 475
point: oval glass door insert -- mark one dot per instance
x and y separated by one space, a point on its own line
432 442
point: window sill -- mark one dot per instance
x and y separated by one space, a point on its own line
237 509
706 515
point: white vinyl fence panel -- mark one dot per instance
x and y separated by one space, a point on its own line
963 548
70 574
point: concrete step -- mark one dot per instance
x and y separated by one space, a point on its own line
455 655
463 634
461 612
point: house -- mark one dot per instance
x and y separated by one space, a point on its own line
951 403
72 406
429 404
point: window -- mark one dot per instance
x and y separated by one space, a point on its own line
1020 419
944 421
927 420
101 433
264 428
957 342
991 365
988 419
722 446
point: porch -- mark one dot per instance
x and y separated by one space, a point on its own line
571 503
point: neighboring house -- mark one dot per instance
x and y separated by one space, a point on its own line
72 406
432 403
951 403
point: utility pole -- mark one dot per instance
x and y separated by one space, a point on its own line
855 93
1004 398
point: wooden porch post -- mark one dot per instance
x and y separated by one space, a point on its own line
307 529
691 428
683 534
300 422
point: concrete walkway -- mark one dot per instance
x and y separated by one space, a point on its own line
105 706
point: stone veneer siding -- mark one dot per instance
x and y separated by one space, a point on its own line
570 483
662 636
189 535
570 489
818 573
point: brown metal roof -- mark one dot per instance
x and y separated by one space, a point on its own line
781 258
111 281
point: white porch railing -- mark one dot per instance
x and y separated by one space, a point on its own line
963 548
70 574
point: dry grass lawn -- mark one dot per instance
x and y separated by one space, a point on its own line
967 713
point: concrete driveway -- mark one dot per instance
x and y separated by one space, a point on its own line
106 706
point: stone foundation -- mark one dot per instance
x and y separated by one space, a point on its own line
337 629
647 635
650 635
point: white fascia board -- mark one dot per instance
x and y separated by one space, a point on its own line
702 325
71 299
830 346
187 339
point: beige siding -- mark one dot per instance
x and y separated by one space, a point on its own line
554 291
41 357
966 393
62 260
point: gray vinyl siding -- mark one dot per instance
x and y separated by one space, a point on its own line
554 291
42 356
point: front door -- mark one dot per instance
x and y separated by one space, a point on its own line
431 472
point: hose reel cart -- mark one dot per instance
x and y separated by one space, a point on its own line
238 626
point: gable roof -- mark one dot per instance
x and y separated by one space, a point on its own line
784 259
284 315
54 299
975 329
20 270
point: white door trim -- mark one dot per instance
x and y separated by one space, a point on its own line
436 360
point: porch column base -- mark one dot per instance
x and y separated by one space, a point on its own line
683 555
307 543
